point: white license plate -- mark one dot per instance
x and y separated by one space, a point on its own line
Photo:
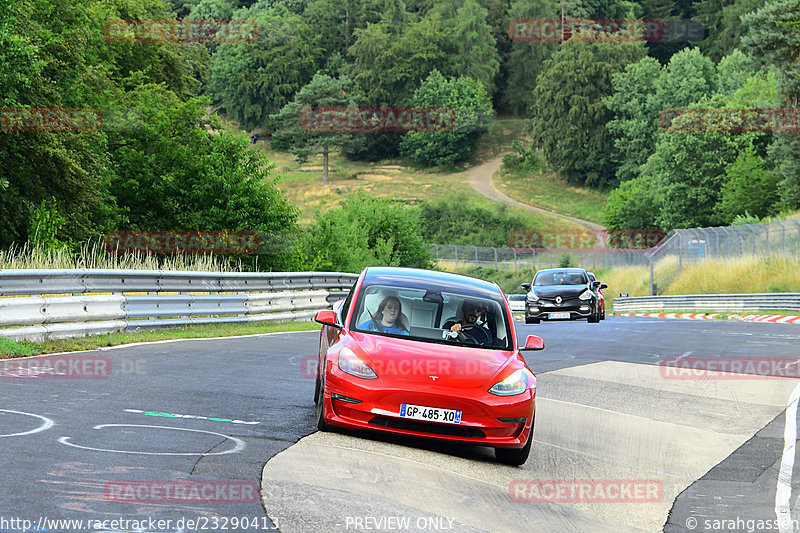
559 315
430 414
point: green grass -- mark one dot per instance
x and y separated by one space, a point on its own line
395 178
546 191
10 348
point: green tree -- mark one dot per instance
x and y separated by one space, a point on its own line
688 168
748 189
172 173
292 132
255 80
569 116
636 113
469 102
635 204
364 231
733 70
475 55
525 59
773 38
336 21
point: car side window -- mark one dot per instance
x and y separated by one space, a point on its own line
347 302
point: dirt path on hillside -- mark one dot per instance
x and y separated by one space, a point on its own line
480 178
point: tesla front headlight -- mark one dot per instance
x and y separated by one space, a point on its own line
516 383
586 295
532 297
350 363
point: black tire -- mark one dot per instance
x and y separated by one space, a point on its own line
320 400
603 312
531 320
316 392
516 456
594 318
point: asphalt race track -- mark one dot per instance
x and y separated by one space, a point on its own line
180 431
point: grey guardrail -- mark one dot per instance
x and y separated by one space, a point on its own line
32 311
709 302
17 282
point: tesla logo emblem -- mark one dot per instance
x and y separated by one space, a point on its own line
559 300
434 378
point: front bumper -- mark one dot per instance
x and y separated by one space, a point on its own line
576 310
378 410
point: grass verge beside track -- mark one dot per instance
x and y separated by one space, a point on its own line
10 348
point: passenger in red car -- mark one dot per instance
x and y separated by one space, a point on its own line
388 318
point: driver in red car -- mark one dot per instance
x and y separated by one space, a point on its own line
472 311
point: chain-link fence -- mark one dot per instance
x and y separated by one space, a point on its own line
677 250
519 258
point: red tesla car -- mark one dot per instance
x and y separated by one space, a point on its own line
427 354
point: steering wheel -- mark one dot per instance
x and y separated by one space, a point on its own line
470 335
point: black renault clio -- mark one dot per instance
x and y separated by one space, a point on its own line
562 294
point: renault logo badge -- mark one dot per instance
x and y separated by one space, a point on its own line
559 300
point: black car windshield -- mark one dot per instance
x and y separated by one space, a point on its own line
560 277
421 314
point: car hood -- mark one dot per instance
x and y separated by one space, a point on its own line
551 291
410 361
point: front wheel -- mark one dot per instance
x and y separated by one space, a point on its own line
320 399
515 456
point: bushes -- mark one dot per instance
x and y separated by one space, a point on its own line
364 231
457 220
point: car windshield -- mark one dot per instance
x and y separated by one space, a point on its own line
422 314
560 277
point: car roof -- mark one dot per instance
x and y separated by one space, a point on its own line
431 279
566 269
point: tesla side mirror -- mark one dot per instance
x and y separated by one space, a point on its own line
526 286
603 286
326 317
534 343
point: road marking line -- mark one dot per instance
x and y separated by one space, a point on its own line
239 443
47 423
783 490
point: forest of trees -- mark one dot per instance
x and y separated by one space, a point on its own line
595 108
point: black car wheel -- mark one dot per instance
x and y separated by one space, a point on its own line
594 318
321 424
516 456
